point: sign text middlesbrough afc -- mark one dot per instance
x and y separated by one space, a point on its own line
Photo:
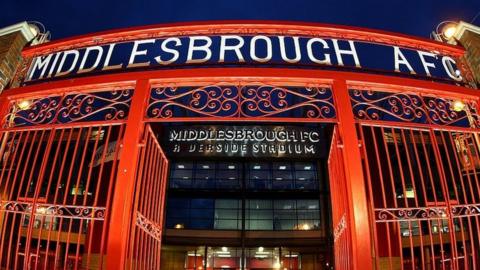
263 50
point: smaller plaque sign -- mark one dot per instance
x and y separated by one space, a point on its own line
244 141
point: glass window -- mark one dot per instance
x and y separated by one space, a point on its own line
181 175
228 215
258 176
259 215
282 179
228 178
259 180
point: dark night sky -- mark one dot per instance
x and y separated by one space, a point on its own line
66 18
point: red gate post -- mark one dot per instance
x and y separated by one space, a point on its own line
123 196
355 183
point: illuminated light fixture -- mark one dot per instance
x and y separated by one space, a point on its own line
200 268
307 168
206 167
179 226
41 210
445 31
279 178
224 249
449 31
458 105
301 178
256 167
260 249
24 104
185 177
180 166
305 227
231 178
231 167
283 167
410 193
276 265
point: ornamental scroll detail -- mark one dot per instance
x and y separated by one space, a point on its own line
340 228
403 214
241 101
150 227
413 108
55 210
426 213
466 210
14 206
71 107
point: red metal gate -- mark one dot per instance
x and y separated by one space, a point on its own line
423 192
56 186
340 209
146 233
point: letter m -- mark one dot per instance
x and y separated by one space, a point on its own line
39 63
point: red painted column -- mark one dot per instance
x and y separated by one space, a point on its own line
355 182
123 196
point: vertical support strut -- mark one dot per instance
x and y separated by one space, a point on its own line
123 196
358 219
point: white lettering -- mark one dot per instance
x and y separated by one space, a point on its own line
283 50
401 60
426 64
40 62
448 63
253 49
136 52
106 64
310 42
235 48
205 48
352 51
82 68
166 49
52 68
75 54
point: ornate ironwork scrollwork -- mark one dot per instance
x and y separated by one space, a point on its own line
340 228
72 107
252 101
150 227
15 206
71 211
411 107
409 214
54 210
465 210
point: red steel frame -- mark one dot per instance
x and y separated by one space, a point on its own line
340 209
117 232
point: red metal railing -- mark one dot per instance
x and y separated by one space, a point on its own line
146 233
56 185
423 194
340 212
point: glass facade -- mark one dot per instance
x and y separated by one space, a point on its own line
197 195
226 214
284 175
211 258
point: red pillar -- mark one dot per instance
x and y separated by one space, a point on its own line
355 183
123 197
